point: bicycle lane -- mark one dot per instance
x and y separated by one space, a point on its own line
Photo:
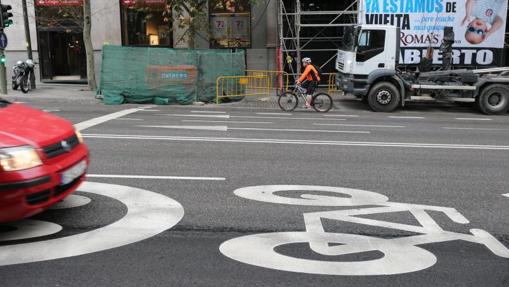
375 169
189 253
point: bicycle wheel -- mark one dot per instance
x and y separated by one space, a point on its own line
322 102
262 250
288 101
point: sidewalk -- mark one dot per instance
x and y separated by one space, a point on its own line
53 93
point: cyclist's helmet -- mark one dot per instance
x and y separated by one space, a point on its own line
306 60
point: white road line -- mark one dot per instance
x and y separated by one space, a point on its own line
99 120
275 114
342 116
150 110
299 142
506 195
287 118
472 119
230 122
301 130
476 129
405 117
204 128
199 116
51 110
154 177
352 125
209 112
128 119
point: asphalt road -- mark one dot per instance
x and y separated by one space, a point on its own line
442 169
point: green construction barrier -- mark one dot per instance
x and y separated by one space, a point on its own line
164 76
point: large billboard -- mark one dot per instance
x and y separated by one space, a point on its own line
479 27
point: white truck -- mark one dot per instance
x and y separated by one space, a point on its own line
367 67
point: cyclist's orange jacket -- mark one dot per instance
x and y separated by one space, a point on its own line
310 69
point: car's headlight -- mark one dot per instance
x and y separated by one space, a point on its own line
18 158
79 136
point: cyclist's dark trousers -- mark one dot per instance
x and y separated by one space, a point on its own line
310 87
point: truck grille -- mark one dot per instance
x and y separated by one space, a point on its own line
340 65
61 147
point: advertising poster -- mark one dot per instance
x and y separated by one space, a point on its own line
479 27
230 23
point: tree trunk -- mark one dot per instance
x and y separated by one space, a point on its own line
87 39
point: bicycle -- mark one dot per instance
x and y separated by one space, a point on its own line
288 101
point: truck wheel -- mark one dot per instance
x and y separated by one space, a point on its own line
383 97
494 100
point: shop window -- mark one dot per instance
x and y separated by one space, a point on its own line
146 23
230 23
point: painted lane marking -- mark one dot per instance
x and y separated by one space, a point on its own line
148 214
299 142
400 254
226 128
151 110
475 129
203 128
275 114
199 116
405 117
472 119
288 118
51 110
300 130
230 122
343 116
154 177
506 195
353 125
72 201
99 120
209 112
128 119
29 228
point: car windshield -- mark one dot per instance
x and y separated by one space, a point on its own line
349 39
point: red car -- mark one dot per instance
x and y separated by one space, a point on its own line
42 160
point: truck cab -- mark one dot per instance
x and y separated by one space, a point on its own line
368 52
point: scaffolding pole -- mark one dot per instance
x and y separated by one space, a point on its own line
304 31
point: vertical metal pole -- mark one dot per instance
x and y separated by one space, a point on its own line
297 32
3 76
28 41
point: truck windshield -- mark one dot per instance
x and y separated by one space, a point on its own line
349 39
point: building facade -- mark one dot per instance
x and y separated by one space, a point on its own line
57 40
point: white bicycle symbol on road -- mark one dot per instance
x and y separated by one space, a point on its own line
400 255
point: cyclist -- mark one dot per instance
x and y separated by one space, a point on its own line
311 77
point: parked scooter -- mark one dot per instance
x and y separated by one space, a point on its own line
21 75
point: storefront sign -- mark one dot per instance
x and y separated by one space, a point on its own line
478 31
58 2
130 3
